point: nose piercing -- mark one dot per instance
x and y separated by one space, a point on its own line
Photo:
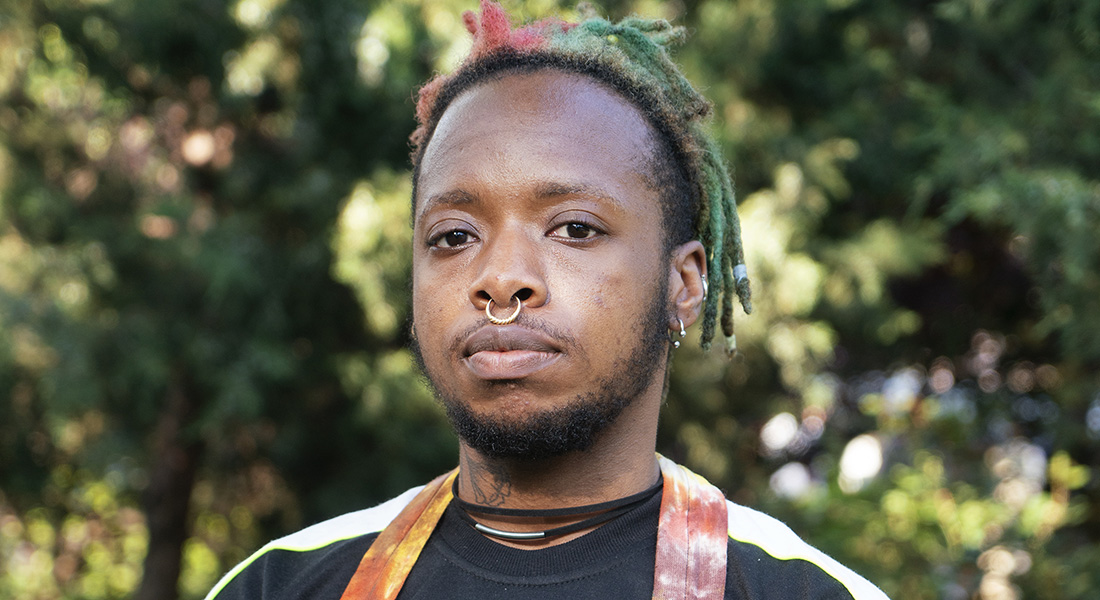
509 319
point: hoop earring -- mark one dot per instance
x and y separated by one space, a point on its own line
505 321
683 333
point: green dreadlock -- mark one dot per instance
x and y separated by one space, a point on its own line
631 57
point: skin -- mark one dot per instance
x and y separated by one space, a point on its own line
533 186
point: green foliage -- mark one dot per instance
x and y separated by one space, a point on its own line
203 223
1053 216
87 542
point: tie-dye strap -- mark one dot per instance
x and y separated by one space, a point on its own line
691 538
387 563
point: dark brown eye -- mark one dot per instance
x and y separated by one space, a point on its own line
578 231
455 238
451 239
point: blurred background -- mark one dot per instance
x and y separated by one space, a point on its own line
204 253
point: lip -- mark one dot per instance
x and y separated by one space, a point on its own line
508 352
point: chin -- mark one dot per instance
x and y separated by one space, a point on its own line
519 428
526 418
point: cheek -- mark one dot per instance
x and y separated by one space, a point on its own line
429 307
611 297
625 280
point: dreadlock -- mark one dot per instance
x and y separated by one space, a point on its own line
631 57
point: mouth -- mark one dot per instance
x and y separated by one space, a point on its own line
496 353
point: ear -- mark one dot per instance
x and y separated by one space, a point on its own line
686 289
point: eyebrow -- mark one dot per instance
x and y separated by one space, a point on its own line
448 198
550 190
543 191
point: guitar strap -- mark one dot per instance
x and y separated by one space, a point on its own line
691 540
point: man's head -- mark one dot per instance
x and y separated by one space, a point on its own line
562 167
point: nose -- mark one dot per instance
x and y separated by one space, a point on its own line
509 266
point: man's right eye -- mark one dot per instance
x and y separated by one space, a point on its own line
451 239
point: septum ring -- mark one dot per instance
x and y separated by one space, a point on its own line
505 321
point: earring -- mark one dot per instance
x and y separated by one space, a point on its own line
676 343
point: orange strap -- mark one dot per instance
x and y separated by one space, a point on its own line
692 537
387 563
691 540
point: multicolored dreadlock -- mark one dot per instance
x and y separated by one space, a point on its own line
631 57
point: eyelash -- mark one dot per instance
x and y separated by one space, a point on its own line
435 241
588 225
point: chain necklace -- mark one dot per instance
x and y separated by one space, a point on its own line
607 511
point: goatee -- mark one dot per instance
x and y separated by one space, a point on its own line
576 425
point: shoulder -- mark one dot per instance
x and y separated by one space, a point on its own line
761 546
297 552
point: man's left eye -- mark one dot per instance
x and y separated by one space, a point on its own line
575 231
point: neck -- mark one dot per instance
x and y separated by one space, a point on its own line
621 462
553 483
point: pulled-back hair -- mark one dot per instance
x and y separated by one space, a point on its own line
631 58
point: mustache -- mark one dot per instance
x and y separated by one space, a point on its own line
562 338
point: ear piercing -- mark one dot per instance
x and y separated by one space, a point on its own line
505 321
683 333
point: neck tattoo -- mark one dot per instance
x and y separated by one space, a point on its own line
606 511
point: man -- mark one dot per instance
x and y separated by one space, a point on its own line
568 214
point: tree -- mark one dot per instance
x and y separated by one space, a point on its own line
174 176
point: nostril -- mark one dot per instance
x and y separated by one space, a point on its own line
483 296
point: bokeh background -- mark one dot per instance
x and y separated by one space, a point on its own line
204 254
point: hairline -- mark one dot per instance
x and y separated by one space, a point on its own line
663 152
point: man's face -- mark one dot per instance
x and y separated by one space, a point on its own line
534 187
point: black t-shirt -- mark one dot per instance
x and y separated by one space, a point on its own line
614 561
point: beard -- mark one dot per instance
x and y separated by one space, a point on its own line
576 425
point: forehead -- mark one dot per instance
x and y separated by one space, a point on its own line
538 127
